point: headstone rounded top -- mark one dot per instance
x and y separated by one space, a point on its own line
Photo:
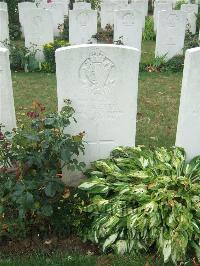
111 46
193 50
3 50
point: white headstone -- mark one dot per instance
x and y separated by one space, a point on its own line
102 83
170 36
188 128
173 2
38 29
160 7
141 8
4 29
45 4
142 4
128 28
82 26
191 11
7 109
4 6
81 5
21 7
66 5
57 11
107 11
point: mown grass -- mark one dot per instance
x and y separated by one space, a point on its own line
63 259
158 102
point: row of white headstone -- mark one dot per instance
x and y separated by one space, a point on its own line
102 83
38 27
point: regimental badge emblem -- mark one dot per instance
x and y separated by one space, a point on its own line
97 72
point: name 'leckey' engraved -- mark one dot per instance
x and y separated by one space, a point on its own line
97 72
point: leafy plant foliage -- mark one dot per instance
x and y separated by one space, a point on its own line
149 34
22 58
140 199
104 35
33 196
49 64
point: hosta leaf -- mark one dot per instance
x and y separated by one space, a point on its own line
121 247
167 249
197 250
152 196
89 184
109 241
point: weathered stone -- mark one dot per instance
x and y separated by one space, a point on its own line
128 28
170 36
57 11
191 11
82 26
160 7
4 30
102 83
188 128
7 109
38 30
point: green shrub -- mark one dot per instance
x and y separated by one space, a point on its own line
22 58
49 65
179 4
198 21
95 4
161 64
141 199
175 64
34 198
191 40
149 34
105 35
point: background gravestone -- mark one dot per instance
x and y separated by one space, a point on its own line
21 7
144 3
128 28
107 11
82 26
4 29
141 8
188 128
3 6
38 29
160 7
102 83
191 11
7 109
170 36
81 5
57 11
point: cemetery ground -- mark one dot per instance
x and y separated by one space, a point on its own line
158 103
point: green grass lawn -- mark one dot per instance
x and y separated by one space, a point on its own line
158 102
63 259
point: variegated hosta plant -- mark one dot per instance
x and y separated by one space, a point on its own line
141 198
